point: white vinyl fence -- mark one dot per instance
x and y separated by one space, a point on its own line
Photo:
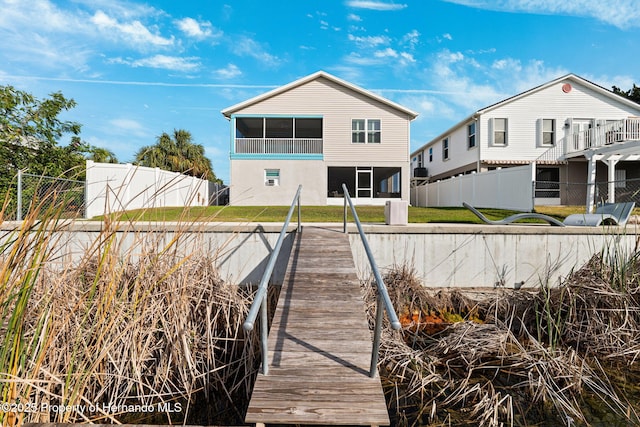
118 187
508 188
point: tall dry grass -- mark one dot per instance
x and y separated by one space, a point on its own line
509 366
140 328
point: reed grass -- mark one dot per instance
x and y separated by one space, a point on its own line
145 319
139 329
519 358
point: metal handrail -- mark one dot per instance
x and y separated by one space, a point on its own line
260 301
384 302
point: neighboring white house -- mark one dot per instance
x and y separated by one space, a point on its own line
318 131
571 127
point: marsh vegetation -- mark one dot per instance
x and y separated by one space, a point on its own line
142 329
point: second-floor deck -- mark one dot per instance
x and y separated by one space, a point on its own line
292 146
609 134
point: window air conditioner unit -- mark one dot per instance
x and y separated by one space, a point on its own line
271 182
420 173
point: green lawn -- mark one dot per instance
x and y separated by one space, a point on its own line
366 214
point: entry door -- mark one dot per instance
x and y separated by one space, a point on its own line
364 183
582 135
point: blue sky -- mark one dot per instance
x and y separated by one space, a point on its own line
137 69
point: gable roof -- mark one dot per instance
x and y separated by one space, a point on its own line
227 112
572 77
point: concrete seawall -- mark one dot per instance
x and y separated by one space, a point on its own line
443 255
458 256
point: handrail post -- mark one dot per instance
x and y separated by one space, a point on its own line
260 301
384 302
264 328
377 334
298 229
344 215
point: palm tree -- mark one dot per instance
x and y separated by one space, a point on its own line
177 153
101 155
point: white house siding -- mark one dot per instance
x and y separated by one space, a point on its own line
461 158
548 103
338 105
248 182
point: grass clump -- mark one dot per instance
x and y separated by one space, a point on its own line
139 328
546 357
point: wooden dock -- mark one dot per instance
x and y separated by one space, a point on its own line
319 343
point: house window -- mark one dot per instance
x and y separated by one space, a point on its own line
430 154
373 131
445 149
547 183
471 135
499 131
249 127
365 130
548 132
278 128
272 177
308 128
420 160
357 131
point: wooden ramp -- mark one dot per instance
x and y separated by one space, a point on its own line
319 342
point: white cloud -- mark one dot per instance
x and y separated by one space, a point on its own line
197 30
375 5
174 63
128 127
357 59
387 53
229 72
133 32
621 13
507 64
412 38
447 36
369 41
407 57
353 17
245 46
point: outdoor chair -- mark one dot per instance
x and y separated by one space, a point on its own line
605 214
510 219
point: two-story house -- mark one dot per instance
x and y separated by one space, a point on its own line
318 131
572 128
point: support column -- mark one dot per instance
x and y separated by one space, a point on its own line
591 181
611 163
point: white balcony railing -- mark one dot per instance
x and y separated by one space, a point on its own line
600 136
278 146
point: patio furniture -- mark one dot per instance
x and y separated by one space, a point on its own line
510 219
605 214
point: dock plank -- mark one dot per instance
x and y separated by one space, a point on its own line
319 342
